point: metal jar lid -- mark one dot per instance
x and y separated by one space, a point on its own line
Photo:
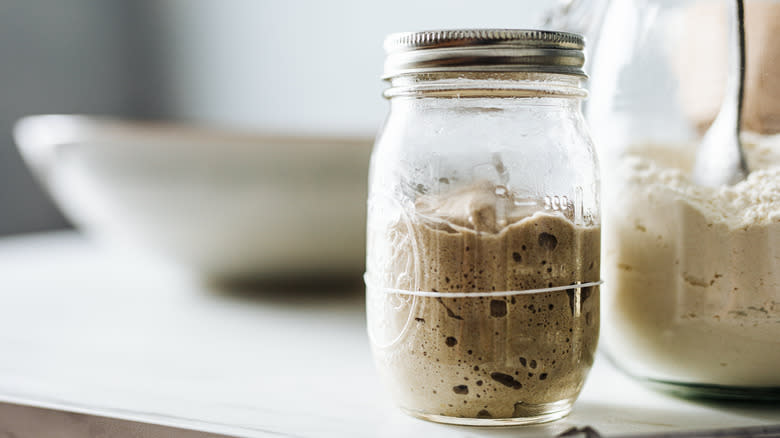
484 50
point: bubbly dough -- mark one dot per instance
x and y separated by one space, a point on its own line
486 357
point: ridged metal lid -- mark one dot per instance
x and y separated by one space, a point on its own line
484 50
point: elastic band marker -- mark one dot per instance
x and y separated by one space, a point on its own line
388 290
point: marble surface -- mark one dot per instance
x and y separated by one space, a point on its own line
111 336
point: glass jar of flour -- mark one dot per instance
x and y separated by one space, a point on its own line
483 250
692 292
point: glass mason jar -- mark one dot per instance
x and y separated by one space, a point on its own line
483 250
692 274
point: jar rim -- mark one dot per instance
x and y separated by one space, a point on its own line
486 84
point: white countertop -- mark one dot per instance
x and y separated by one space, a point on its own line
88 331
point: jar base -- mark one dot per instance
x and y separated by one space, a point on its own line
703 390
536 414
719 392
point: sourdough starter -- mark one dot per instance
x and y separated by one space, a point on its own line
483 357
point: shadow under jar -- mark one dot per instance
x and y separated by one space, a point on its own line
483 250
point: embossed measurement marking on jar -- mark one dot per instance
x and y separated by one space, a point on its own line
558 203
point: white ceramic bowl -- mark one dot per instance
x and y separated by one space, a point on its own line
230 206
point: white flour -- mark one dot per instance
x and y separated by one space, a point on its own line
692 273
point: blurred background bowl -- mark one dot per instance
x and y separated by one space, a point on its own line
230 206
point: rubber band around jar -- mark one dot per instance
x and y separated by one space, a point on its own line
432 294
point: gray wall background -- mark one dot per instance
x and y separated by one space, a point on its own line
308 66
72 56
